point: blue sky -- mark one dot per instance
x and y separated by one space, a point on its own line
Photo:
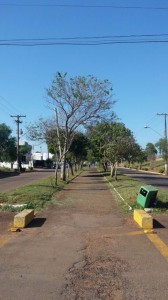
138 72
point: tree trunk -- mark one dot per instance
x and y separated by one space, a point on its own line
76 167
71 168
166 169
105 166
113 172
81 164
63 166
56 174
67 171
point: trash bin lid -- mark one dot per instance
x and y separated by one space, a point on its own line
149 188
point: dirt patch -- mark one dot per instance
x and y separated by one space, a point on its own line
100 275
6 221
99 279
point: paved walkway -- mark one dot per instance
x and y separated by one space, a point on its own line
82 247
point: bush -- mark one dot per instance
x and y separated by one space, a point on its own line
160 170
145 169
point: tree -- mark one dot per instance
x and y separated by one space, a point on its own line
139 155
78 149
151 152
23 150
77 102
7 144
161 145
112 142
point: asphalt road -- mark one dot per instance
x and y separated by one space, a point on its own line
160 181
84 247
13 182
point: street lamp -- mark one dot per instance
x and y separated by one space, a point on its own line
146 126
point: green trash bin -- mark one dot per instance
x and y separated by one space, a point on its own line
147 196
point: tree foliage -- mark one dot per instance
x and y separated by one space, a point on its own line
162 147
112 142
7 144
24 149
77 102
151 151
79 147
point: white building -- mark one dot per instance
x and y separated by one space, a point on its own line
29 159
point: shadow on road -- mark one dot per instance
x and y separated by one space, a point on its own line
157 224
8 174
37 222
102 174
160 204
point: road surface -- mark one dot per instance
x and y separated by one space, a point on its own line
154 179
83 247
13 182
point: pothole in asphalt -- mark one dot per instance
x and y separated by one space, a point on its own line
100 279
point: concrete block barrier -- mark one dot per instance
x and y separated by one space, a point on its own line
23 218
143 219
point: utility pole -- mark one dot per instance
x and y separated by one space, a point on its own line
165 136
17 120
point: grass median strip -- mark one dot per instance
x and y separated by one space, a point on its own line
34 196
126 188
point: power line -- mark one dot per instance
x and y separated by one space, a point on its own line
11 109
84 44
88 40
86 37
84 6
8 106
165 124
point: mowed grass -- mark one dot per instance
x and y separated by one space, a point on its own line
128 188
41 192
35 196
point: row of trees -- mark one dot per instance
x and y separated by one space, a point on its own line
105 142
84 126
112 142
77 103
85 104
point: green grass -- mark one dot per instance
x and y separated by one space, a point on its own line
4 170
128 188
155 165
35 196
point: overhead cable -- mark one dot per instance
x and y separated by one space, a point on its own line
87 40
83 6
85 37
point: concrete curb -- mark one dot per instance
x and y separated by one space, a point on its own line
130 208
143 219
22 219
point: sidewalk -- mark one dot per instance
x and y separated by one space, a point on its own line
82 247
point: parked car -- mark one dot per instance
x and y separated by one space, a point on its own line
56 164
59 165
